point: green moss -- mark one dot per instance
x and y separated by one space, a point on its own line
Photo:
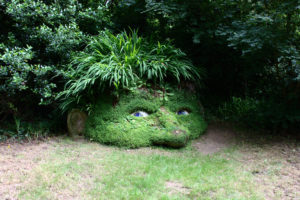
117 126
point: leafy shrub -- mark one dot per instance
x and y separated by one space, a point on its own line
19 77
36 43
59 42
122 61
52 28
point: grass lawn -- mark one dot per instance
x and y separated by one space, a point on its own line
61 168
92 171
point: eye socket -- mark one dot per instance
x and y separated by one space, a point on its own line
183 112
140 114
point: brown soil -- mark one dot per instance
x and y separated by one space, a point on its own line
215 139
176 187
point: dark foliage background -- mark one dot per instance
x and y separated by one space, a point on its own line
249 49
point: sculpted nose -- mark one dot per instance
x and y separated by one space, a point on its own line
172 134
169 121
167 118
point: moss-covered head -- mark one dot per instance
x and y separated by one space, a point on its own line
143 119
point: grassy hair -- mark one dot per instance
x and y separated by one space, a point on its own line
121 61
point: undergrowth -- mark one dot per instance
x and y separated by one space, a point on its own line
23 130
260 114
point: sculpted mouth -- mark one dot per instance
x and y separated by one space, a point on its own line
179 131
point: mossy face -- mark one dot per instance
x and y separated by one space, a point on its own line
169 123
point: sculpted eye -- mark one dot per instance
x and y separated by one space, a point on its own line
140 114
182 112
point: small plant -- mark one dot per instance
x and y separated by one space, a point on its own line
238 108
20 130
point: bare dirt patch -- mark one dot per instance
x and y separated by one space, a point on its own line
215 139
177 187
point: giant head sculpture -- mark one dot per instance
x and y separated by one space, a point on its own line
144 118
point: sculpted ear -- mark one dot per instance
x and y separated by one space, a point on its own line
76 122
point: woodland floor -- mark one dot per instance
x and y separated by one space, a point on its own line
222 164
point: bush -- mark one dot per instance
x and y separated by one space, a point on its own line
20 78
36 44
